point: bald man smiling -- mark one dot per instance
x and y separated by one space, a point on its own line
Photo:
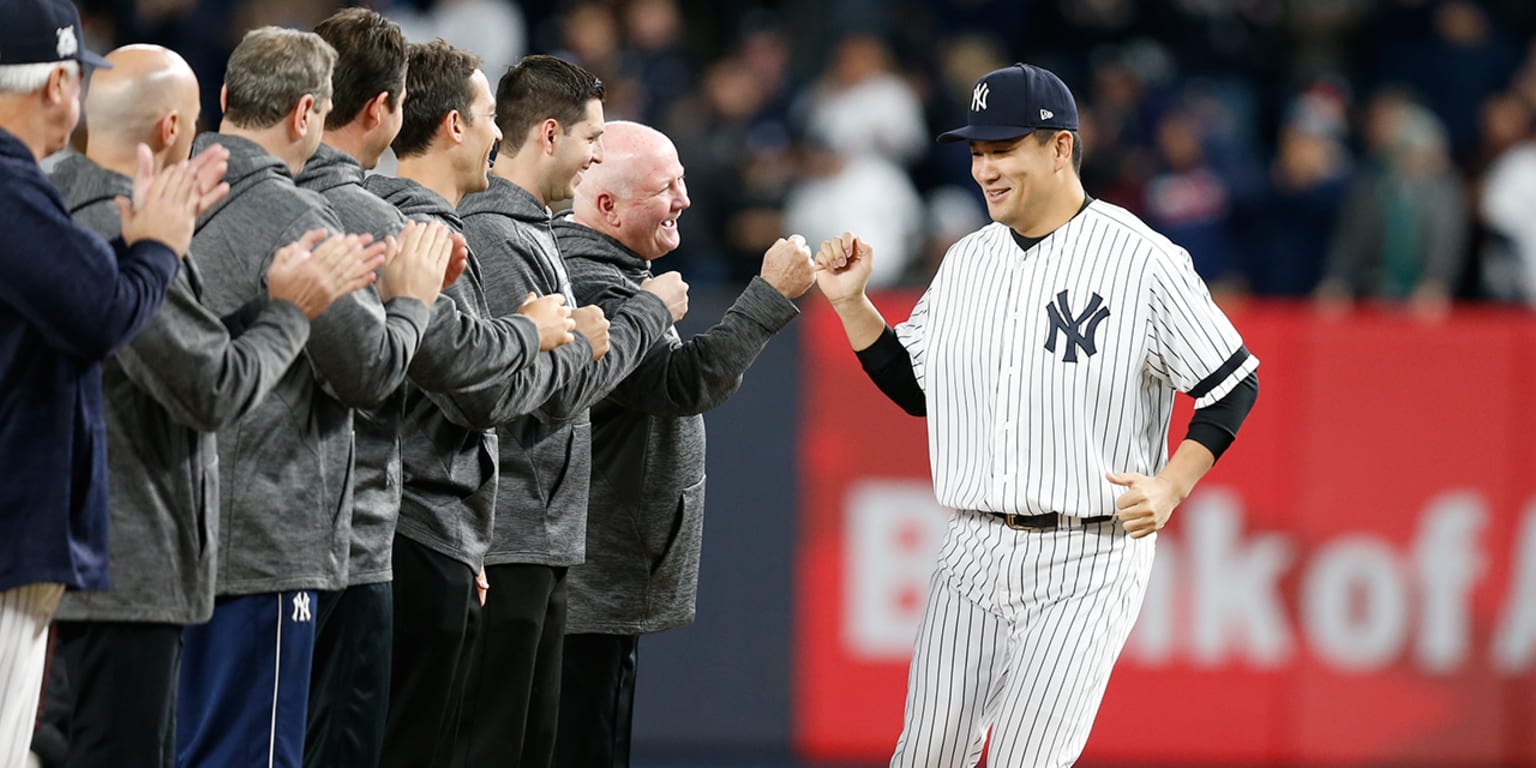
187 374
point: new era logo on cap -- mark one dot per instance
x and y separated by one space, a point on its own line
42 32
1012 101
68 45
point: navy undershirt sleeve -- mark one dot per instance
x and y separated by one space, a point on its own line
889 366
1215 426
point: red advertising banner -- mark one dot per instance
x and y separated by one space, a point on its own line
1354 584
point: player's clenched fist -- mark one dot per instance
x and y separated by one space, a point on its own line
670 288
1147 503
788 267
311 274
552 317
591 324
843 265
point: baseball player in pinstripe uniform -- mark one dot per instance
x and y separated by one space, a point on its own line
1045 355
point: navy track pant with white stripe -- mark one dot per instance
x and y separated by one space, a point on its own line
244 690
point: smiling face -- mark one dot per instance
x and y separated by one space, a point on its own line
576 148
657 196
480 135
1016 176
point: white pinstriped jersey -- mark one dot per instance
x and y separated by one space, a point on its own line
1045 368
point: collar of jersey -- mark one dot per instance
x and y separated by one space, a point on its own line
1026 243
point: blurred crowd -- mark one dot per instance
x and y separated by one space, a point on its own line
1339 149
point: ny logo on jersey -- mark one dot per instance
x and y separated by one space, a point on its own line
1064 322
301 607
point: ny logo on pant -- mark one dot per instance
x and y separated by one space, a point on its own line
301 607
1064 322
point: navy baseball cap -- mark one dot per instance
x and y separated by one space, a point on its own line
43 32
1010 102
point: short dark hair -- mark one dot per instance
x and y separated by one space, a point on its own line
436 83
538 88
1044 136
370 59
270 71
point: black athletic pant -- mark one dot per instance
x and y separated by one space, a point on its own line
122 682
49 743
437 623
597 701
349 684
514 691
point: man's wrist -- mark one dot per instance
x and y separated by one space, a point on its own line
774 284
849 303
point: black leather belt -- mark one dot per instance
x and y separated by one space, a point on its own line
1048 521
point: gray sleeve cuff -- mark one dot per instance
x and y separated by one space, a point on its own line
578 352
287 315
766 306
649 304
528 331
412 310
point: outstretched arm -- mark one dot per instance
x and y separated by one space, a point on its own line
843 267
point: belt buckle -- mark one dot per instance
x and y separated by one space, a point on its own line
1017 522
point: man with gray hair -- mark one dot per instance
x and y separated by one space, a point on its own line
181 379
67 300
286 471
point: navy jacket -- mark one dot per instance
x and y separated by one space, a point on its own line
67 300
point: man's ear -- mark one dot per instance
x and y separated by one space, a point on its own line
548 130
375 109
303 112
608 207
58 82
224 98
167 130
454 126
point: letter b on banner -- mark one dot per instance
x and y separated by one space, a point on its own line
894 528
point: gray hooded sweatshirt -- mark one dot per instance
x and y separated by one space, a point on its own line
286 471
458 355
181 379
376 480
546 458
448 443
645 518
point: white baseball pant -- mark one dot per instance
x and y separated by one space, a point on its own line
25 612
1018 637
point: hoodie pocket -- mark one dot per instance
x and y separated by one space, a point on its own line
681 542
206 510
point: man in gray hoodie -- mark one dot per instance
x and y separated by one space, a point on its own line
458 355
285 472
182 378
550 113
647 496
448 448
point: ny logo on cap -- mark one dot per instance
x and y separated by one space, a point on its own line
68 45
979 97
1046 114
